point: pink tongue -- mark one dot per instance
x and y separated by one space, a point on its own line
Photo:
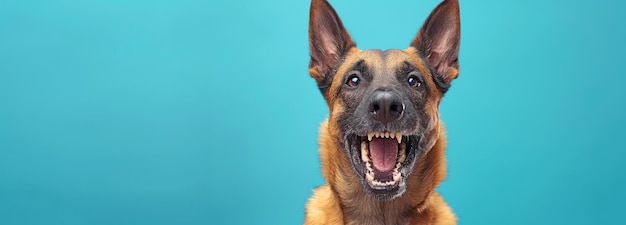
384 152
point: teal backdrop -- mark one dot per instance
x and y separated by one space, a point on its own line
203 112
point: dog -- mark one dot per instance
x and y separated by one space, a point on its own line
382 145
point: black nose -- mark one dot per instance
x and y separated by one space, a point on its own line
385 106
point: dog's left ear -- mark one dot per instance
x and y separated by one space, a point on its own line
438 41
328 42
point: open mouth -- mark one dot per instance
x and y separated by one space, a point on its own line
384 160
383 154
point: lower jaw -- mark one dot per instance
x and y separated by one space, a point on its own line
387 189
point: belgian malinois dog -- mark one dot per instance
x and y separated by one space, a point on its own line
382 146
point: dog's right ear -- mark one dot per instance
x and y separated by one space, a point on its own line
328 42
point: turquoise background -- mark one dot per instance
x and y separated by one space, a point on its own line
202 112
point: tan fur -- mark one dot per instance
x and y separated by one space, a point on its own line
342 200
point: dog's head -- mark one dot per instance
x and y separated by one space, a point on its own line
384 105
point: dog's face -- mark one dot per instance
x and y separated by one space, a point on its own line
384 105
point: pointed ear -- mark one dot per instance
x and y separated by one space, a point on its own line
328 42
438 40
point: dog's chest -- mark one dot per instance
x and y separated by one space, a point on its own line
376 219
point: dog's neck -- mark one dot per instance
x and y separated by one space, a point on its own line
360 208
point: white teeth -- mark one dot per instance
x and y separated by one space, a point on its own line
369 177
369 167
402 153
364 152
378 135
397 136
379 183
397 176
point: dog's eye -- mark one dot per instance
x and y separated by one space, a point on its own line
414 82
353 80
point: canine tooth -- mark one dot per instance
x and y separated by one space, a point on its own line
364 152
396 177
399 138
369 136
370 178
